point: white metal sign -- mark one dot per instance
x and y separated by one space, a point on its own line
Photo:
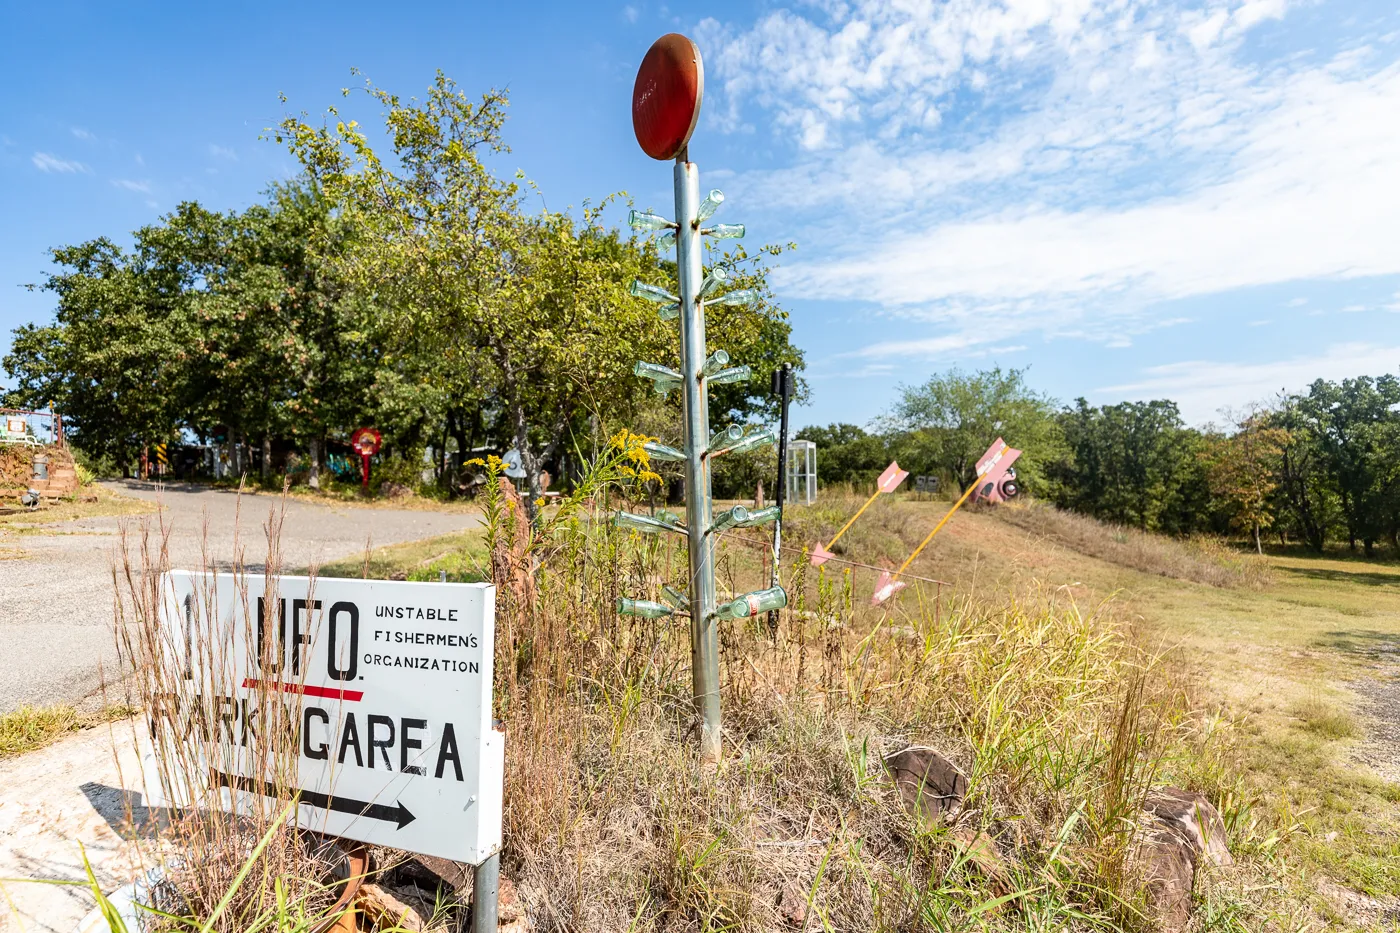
389 687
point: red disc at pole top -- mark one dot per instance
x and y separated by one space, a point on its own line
365 441
666 97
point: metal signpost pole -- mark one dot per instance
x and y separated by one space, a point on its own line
704 636
486 883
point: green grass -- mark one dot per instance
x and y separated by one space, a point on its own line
23 521
33 727
461 555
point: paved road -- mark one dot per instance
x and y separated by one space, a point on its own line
56 604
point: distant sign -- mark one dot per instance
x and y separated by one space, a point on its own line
994 470
389 682
366 441
512 464
926 484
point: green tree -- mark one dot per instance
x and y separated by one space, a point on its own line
952 419
1134 463
847 453
1353 426
535 306
117 358
1243 471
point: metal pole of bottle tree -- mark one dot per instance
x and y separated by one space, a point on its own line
704 633
782 387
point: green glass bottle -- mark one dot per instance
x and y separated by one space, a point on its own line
761 516
730 518
642 607
751 604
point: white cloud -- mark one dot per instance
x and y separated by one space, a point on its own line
47 163
222 152
630 13
1313 194
83 134
143 187
1203 387
1095 158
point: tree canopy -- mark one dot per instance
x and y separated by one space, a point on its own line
412 289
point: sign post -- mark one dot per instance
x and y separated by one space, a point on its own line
665 107
366 442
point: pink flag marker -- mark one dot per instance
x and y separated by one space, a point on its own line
886 587
820 555
890 479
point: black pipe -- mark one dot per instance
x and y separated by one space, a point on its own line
782 387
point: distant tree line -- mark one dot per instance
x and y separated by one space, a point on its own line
411 289
1314 467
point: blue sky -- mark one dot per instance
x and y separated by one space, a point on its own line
1136 199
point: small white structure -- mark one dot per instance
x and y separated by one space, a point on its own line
801 472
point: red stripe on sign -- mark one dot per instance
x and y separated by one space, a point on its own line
325 693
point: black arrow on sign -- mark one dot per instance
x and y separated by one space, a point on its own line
397 814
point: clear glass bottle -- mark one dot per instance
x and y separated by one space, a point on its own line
730 518
658 451
743 445
717 277
643 523
725 231
717 361
733 374
675 597
656 371
655 293
725 437
739 297
642 220
708 206
761 517
645 608
669 312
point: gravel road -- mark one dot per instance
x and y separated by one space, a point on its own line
56 603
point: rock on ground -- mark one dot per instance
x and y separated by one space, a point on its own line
1183 832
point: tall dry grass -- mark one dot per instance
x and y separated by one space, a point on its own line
1059 718
219 871
1200 559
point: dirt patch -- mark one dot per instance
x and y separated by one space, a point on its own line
1380 705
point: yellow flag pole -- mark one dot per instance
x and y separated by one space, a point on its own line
956 505
854 517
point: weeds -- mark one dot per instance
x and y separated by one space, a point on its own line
1054 711
1201 559
32 727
